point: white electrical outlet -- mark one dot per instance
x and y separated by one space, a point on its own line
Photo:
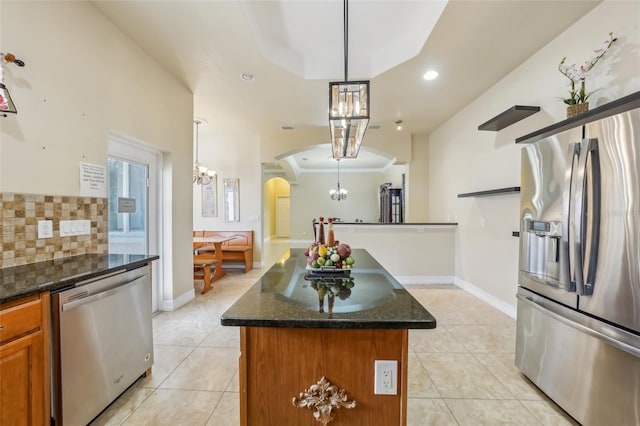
45 229
385 377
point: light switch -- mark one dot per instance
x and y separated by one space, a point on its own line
70 228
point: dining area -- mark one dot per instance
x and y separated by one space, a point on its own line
213 251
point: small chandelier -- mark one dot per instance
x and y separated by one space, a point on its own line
201 174
338 193
348 107
6 103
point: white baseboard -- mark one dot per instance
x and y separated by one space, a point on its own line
172 305
486 297
300 243
425 279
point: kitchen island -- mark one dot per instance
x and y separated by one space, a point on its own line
309 345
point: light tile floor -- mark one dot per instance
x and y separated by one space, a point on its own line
461 373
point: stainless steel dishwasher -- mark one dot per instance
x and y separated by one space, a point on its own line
102 342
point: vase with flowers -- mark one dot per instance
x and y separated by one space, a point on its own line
578 97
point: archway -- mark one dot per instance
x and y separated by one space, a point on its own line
276 192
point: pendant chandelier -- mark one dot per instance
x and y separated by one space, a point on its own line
348 107
201 174
338 193
6 103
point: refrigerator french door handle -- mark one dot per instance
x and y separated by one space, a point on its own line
567 208
596 196
579 226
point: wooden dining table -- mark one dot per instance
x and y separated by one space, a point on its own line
217 244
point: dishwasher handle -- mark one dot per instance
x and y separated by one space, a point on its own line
94 279
83 301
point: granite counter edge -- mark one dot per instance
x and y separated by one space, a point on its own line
65 282
330 323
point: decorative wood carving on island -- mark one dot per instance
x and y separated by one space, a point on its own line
324 397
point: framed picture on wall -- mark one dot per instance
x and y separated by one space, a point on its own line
232 200
210 198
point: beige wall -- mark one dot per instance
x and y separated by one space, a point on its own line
310 198
232 154
418 179
463 159
84 79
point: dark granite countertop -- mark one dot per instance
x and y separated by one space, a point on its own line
369 298
50 275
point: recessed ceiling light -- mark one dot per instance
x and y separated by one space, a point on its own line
430 75
247 76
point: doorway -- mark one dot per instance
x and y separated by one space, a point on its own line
134 185
128 206
283 216
276 208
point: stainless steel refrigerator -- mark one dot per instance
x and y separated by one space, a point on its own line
578 320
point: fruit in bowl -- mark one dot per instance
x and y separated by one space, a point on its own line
338 256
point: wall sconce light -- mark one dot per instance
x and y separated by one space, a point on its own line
6 103
398 125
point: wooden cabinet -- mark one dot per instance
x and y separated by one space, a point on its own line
24 362
277 364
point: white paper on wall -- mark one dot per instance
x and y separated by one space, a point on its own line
93 180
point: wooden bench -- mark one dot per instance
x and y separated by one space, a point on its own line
202 270
237 251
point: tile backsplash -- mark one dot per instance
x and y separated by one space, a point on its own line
19 216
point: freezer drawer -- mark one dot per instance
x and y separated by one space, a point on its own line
590 369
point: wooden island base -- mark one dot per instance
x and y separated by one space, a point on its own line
277 364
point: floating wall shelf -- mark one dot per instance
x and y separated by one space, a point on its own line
618 106
507 118
501 191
